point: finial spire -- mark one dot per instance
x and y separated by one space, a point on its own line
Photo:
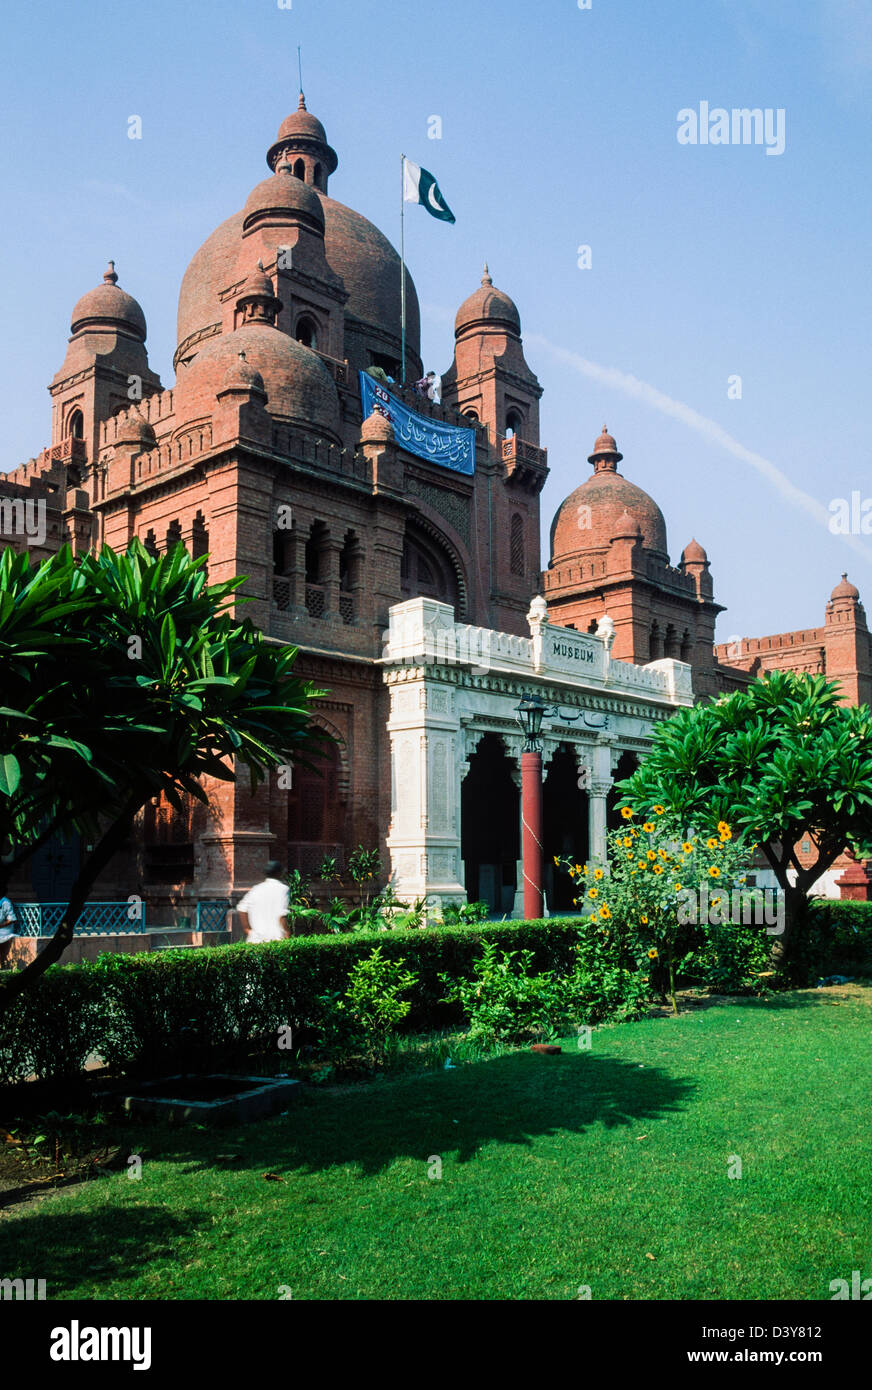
486 277
302 103
109 274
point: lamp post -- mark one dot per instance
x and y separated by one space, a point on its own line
530 712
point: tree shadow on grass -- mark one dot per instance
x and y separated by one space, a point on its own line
513 1099
69 1249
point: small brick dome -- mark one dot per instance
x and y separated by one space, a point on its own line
298 386
845 589
283 198
302 122
376 428
694 554
108 306
487 306
626 528
241 376
593 515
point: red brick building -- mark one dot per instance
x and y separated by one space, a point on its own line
259 455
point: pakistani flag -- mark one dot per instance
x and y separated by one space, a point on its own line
419 186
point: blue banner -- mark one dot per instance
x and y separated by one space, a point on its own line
451 446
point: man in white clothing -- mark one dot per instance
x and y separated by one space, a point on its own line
264 909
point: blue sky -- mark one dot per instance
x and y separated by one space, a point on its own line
559 130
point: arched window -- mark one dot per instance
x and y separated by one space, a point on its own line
76 425
426 569
316 553
317 176
150 543
686 646
350 560
655 643
471 415
592 626
300 170
174 534
516 545
199 536
514 424
315 812
307 331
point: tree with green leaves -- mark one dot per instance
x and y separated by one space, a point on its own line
124 676
780 762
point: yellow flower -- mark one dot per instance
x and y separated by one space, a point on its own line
572 873
712 842
663 854
657 868
556 861
678 887
597 873
724 829
578 868
716 902
650 854
726 836
652 954
714 871
658 810
592 892
626 812
644 920
630 854
687 847
627 842
604 913
648 827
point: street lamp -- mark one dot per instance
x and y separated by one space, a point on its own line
530 713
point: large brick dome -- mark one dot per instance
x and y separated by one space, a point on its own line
355 248
299 387
593 515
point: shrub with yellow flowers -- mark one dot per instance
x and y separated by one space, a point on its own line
655 868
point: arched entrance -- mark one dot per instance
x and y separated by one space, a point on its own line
316 814
490 827
565 827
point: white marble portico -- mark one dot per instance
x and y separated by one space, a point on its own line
451 684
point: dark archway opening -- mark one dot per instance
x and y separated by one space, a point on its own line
565 827
426 570
627 765
490 827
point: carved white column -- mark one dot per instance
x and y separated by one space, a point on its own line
600 786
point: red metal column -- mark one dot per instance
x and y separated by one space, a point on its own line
531 819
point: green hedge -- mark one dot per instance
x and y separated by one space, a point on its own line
166 1009
172 1009
839 939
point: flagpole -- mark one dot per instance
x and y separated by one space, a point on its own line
403 266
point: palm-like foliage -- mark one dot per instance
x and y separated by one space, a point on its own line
124 676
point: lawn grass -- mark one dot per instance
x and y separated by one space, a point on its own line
605 1168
